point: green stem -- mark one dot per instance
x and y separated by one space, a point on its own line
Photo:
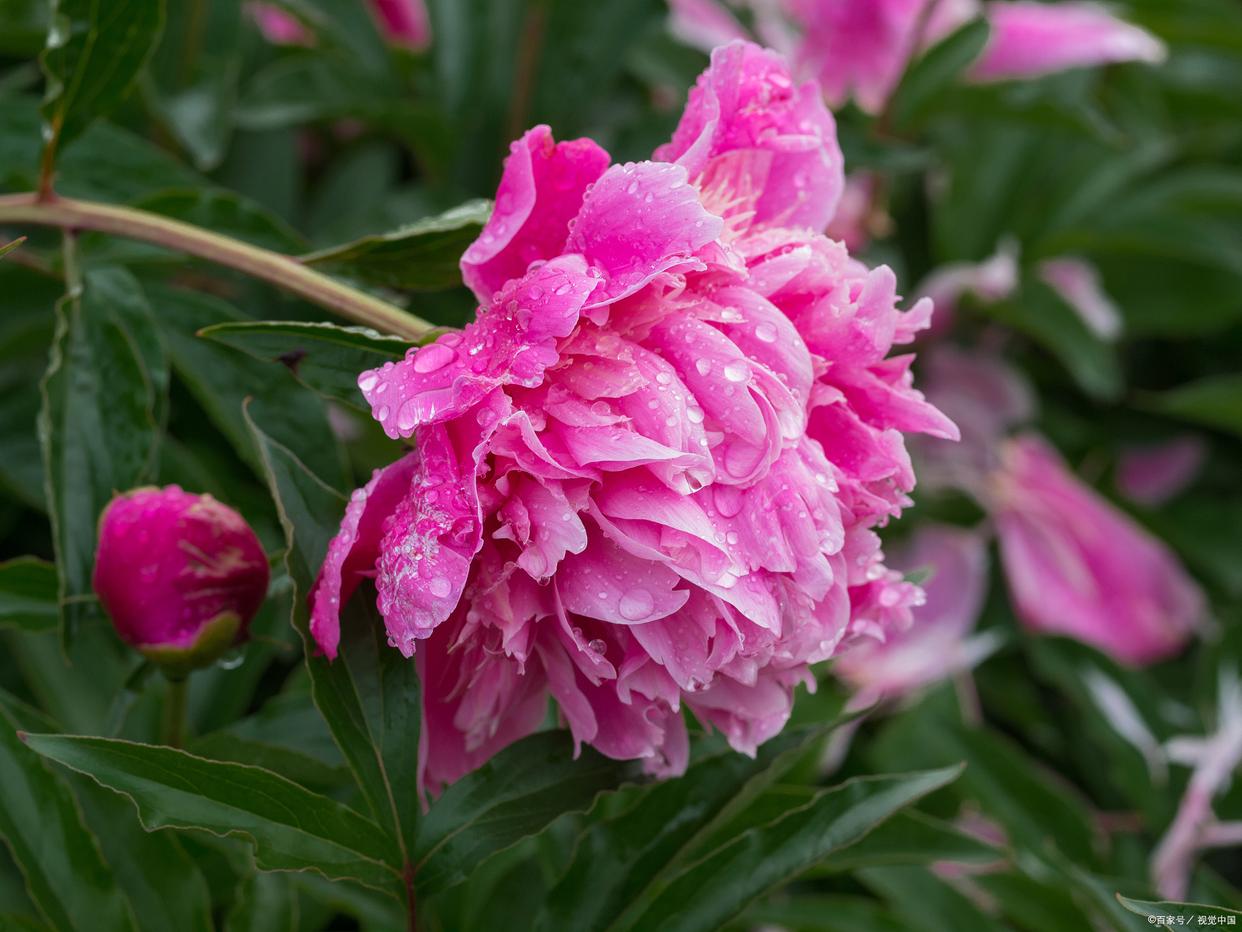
283 271
173 730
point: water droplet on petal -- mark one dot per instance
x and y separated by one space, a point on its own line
694 415
433 357
367 381
636 604
440 587
597 646
703 366
737 371
766 332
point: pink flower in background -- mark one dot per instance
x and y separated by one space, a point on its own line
939 643
402 22
1078 284
857 217
860 49
1078 567
649 474
993 279
180 575
279 27
1152 475
1031 39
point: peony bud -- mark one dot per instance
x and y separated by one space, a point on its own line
181 575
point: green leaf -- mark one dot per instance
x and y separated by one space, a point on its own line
66 876
264 903
1042 315
518 793
103 395
290 827
1214 401
668 824
28 595
925 902
369 695
1176 910
162 882
825 914
194 76
422 256
221 380
910 837
9 247
95 51
936 71
772 854
323 356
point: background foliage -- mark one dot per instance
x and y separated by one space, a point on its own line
123 364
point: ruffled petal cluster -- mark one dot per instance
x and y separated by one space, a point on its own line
648 476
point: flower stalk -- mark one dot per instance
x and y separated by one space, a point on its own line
284 271
173 729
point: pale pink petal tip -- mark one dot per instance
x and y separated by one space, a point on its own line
1078 284
1031 39
647 477
1153 475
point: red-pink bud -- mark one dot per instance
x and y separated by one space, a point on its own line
181 575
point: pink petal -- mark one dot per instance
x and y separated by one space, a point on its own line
1033 39
704 24
766 150
352 554
511 342
435 531
1078 284
404 22
637 221
1153 475
540 193
1079 567
607 583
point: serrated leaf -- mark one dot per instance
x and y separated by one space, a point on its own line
66 876
290 827
518 793
103 395
28 595
718 887
95 51
422 256
323 356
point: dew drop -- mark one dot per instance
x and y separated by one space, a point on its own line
367 381
597 646
703 366
694 415
440 587
636 604
433 357
737 371
766 333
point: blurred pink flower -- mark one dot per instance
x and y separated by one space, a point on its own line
991 280
649 473
1078 567
402 22
1078 284
986 398
938 644
1030 39
1154 474
180 575
860 49
279 27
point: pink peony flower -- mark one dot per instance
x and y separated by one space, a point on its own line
648 475
1154 474
1078 567
860 49
402 22
181 575
939 643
